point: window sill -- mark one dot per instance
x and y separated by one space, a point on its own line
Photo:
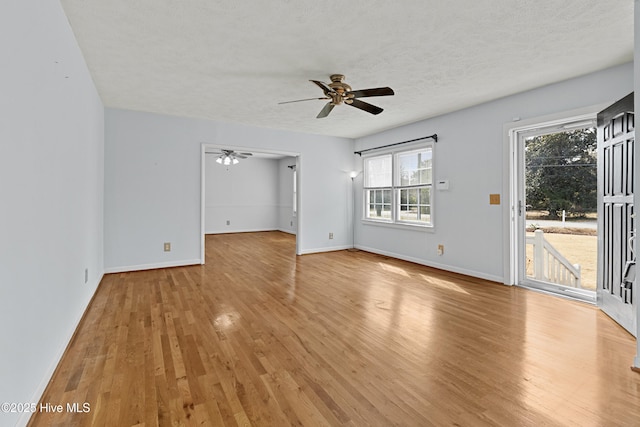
399 225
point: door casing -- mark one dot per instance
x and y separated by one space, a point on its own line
556 126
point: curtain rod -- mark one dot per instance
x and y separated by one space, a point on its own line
434 137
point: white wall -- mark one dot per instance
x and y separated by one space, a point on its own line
470 153
286 218
245 195
152 185
51 188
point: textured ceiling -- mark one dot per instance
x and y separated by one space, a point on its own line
234 61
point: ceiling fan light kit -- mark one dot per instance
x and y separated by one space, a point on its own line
338 92
229 157
227 160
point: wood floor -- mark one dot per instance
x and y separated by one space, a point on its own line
261 337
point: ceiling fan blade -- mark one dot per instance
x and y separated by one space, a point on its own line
300 100
240 156
246 154
322 86
366 106
325 111
379 91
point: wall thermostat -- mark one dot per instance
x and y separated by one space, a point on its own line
442 184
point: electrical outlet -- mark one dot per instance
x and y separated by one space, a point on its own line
228 222
440 250
330 235
167 246
86 275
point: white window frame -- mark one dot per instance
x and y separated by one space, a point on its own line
395 188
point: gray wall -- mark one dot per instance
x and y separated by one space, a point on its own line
51 187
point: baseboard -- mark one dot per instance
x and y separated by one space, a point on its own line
261 230
287 231
464 271
42 387
328 249
250 230
140 267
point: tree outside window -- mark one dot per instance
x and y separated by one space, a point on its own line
561 172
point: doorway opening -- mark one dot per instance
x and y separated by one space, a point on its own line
258 191
556 223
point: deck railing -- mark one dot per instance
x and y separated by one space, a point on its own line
550 265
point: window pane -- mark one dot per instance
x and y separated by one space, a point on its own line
386 196
409 213
377 171
425 196
412 195
425 214
378 204
425 176
379 211
370 199
414 205
415 167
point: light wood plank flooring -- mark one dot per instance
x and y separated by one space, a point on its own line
261 337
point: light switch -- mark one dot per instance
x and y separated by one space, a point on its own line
494 199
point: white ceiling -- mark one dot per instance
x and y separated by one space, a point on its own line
235 60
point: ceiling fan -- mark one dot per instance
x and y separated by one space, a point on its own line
229 157
338 92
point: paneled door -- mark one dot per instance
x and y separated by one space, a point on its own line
616 260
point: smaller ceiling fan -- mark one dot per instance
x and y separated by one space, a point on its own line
229 157
339 92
